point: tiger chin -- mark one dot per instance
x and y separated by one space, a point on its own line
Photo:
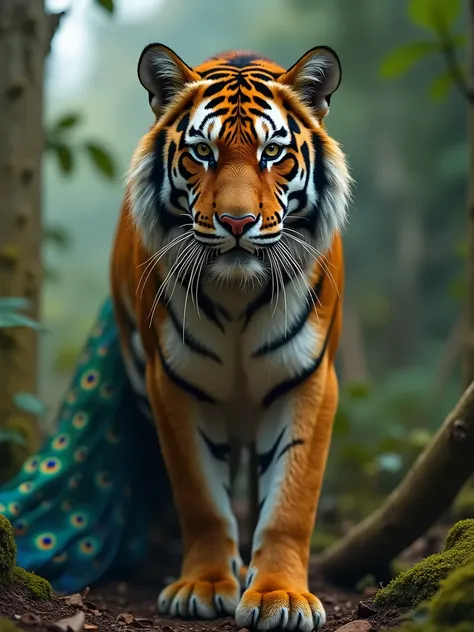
227 275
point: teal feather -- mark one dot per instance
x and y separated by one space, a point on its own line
80 507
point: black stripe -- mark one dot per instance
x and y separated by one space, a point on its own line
261 88
220 451
288 447
288 385
214 89
320 174
262 103
207 306
269 347
292 124
180 382
265 460
189 341
263 299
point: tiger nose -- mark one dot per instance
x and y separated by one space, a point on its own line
236 225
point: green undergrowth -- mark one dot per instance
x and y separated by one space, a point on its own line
452 607
421 582
10 574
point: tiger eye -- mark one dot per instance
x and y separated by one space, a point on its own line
272 150
203 150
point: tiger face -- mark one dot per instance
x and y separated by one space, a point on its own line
238 175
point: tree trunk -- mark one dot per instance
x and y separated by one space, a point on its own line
469 349
25 32
353 361
426 492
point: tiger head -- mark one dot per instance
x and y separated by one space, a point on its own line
237 174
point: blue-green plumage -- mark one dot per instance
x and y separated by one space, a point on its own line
80 507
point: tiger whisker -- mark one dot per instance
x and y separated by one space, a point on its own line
301 275
176 265
280 274
197 251
203 260
287 255
155 258
317 256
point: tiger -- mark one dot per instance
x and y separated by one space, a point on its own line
227 278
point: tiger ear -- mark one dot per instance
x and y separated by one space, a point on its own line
163 74
315 77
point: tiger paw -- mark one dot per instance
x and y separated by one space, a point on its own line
201 599
280 609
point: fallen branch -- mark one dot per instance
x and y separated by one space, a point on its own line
424 495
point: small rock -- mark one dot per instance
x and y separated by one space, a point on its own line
365 611
356 626
370 591
73 600
75 623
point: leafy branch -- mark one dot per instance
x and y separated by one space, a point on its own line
437 17
11 316
58 142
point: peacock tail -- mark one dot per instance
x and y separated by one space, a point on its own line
80 507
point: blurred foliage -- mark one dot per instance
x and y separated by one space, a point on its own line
378 433
59 143
13 431
438 17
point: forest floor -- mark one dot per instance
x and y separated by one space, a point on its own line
129 607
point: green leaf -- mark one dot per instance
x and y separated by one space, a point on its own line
68 121
403 58
64 156
101 159
14 303
29 403
57 235
10 436
440 86
434 14
12 319
108 5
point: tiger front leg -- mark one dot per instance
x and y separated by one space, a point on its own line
292 446
197 456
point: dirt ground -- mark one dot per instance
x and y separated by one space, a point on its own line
126 606
131 606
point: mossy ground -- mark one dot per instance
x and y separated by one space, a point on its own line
452 607
423 580
12 574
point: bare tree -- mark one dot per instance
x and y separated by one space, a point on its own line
25 34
